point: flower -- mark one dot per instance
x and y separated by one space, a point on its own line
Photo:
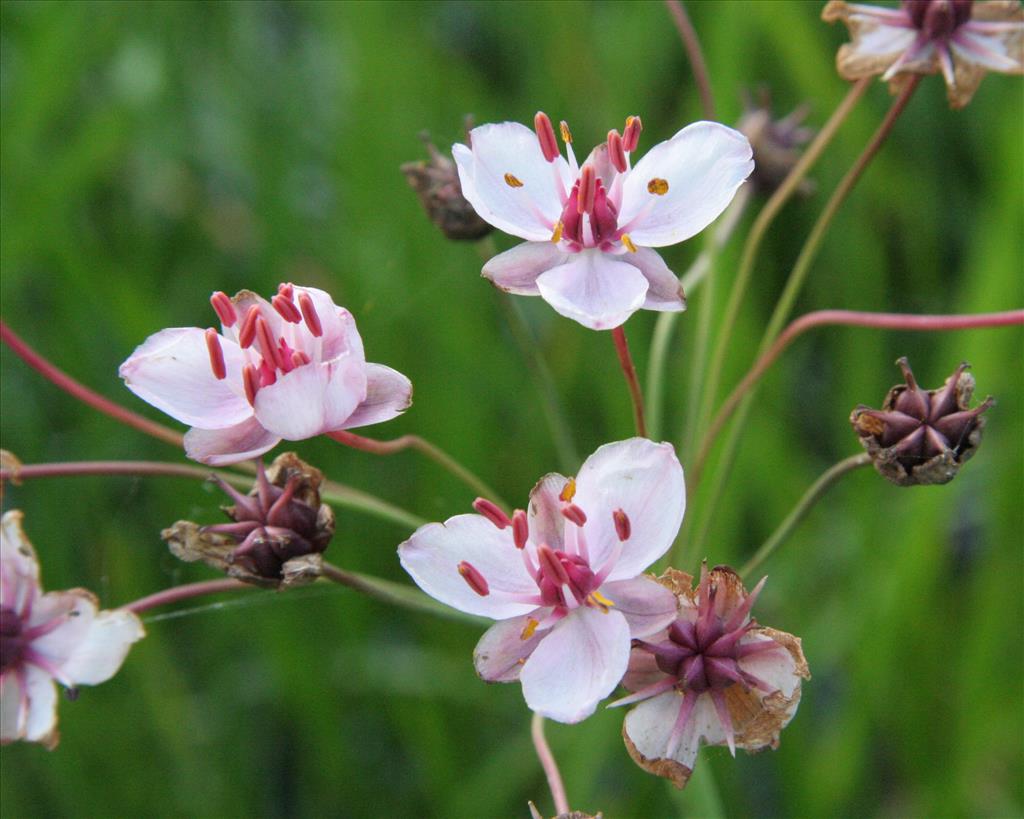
58 636
922 437
289 368
589 228
776 142
564 581
714 674
961 38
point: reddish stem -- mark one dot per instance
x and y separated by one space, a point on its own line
83 393
547 762
189 590
849 318
626 360
693 51
53 470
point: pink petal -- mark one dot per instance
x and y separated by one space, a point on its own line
171 370
529 211
41 720
339 327
643 479
388 394
432 556
664 292
516 270
777 668
68 616
220 447
992 51
312 399
649 726
703 165
501 652
19 568
594 289
545 511
10 708
647 605
99 654
577 664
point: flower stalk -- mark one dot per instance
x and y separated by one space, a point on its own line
550 766
176 594
694 53
629 371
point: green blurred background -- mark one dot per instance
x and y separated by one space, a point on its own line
154 152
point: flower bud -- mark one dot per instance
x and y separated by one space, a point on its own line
776 142
277 531
436 182
922 436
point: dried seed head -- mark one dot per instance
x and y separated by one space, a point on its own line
922 436
776 142
436 182
277 531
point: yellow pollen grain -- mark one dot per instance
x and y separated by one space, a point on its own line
531 626
601 600
659 187
556 237
628 243
568 491
513 182
566 133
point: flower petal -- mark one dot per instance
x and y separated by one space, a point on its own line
664 292
11 718
66 618
99 654
312 399
19 567
220 447
340 335
528 210
594 289
171 370
388 394
545 511
501 652
647 605
645 480
781 669
703 166
577 664
432 556
516 270
41 719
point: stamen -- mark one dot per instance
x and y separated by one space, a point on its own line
287 289
286 309
631 134
566 133
568 491
529 629
247 333
551 566
546 136
573 513
491 511
588 190
474 579
520 528
616 153
622 525
628 243
224 309
556 237
657 186
220 370
601 600
310 315
512 181
267 344
251 382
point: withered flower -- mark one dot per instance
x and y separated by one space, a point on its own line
961 38
277 532
715 675
776 142
922 436
436 182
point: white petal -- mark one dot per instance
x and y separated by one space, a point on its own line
647 605
664 292
312 399
777 668
339 327
220 447
644 480
516 270
528 211
68 615
19 568
545 511
501 652
98 656
703 165
41 720
11 717
388 394
433 554
171 370
989 50
577 664
880 40
594 289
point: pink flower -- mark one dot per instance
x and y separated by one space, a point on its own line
961 38
289 368
58 636
563 581
714 675
588 229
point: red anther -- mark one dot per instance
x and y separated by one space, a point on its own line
546 136
286 308
220 370
616 153
268 346
247 333
520 528
631 134
622 526
476 581
286 289
491 511
588 189
225 310
251 381
551 567
310 315
573 513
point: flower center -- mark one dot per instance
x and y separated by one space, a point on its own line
12 643
938 19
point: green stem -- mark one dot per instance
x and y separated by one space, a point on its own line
691 43
698 357
799 512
